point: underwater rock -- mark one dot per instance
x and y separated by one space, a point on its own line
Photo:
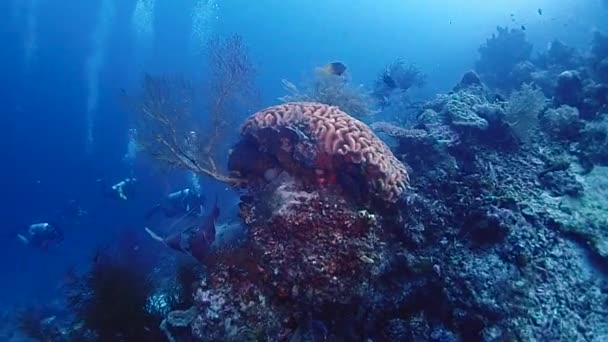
569 89
488 226
469 79
561 183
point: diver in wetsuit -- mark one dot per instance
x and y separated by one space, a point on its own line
42 235
182 202
119 190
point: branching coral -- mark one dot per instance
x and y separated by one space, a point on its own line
165 111
328 133
523 110
333 90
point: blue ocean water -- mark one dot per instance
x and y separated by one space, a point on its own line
64 66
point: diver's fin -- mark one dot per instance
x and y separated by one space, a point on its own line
154 235
23 239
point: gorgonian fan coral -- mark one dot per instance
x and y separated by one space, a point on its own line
168 118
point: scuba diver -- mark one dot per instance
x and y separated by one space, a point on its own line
43 235
183 202
194 239
119 190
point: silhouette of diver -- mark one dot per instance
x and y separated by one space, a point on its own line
119 190
194 240
43 235
182 202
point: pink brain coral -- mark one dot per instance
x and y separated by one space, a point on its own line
334 132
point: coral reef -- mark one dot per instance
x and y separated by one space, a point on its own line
459 110
562 122
482 249
499 57
397 78
558 56
499 235
300 263
583 218
504 231
470 114
312 250
328 145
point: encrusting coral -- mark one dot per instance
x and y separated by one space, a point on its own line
327 139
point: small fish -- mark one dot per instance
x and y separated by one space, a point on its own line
540 11
523 28
335 68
